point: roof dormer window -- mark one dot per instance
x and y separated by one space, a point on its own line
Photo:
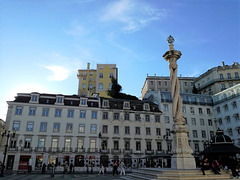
126 105
83 102
59 100
146 107
105 103
34 98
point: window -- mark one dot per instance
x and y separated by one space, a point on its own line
208 111
67 145
223 87
159 146
196 146
127 130
126 105
111 75
54 143
220 121
56 127
69 127
185 83
230 84
229 75
32 111
110 86
127 145
105 115
225 107
158 131
202 122
194 121
138 145
192 110
165 107
195 134
116 116
157 118
210 122
93 129
159 83
115 145
41 143
126 117
83 102
169 146
16 125
29 126
148 131
45 112
84 86
100 75
27 143
137 131
165 83
59 100
236 75
230 132
221 76
82 114
94 115
43 127
19 110
100 86
200 110
228 119
147 118
13 143
166 119
204 134
236 116
34 98
92 143
105 129
116 129
234 104
184 109
149 146
58 112
151 82
81 128
90 86
218 109
70 113
168 132
80 143
211 134
185 119
105 103
137 117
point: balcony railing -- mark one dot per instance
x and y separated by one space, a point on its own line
116 151
40 149
80 150
67 149
54 149
12 149
149 151
24 149
104 150
92 150
127 151
138 152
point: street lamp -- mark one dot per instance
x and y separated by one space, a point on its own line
7 134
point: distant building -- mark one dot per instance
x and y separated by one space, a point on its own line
218 79
96 80
2 128
198 113
155 83
227 112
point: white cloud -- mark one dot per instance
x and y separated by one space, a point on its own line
133 14
59 73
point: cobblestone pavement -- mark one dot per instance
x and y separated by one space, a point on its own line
60 176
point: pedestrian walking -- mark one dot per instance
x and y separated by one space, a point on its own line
53 170
115 168
232 164
43 168
122 168
71 167
101 169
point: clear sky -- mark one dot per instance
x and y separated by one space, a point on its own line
44 42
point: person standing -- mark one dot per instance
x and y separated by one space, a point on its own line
53 170
101 169
232 164
205 165
71 167
122 168
43 168
115 168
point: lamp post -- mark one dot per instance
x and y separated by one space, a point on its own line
8 135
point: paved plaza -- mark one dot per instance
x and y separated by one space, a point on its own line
60 176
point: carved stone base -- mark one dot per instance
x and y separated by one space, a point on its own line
182 153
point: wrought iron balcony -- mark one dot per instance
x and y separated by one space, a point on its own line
127 151
67 149
40 149
26 149
115 151
12 149
80 150
54 149
92 150
104 150
149 151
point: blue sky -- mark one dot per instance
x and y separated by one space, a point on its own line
44 42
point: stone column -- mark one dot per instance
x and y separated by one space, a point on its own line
182 153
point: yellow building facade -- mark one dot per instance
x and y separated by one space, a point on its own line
92 81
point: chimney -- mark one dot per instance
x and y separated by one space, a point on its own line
88 65
223 63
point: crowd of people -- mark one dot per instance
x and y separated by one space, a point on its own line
215 166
